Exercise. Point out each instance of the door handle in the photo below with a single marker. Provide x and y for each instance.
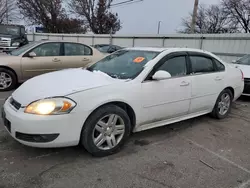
(85, 59)
(184, 83)
(218, 78)
(56, 60)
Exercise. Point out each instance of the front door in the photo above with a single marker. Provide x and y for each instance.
(47, 59)
(170, 98)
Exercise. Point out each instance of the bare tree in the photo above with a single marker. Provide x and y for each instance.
(70, 25)
(210, 20)
(239, 12)
(8, 11)
(97, 15)
(50, 14)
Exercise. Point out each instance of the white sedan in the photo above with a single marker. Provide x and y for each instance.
(244, 64)
(131, 90)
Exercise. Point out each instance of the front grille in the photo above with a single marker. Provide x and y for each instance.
(7, 124)
(15, 104)
(5, 43)
(39, 138)
(246, 86)
(247, 80)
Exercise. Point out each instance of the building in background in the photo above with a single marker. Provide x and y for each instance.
(35, 29)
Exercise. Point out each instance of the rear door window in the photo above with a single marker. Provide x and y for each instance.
(201, 64)
(74, 49)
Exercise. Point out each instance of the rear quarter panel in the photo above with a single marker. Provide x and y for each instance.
(234, 80)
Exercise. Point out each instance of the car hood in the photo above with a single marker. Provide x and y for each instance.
(245, 69)
(60, 83)
(8, 36)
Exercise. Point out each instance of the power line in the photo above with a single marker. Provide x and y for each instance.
(125, 3)
(121, 3)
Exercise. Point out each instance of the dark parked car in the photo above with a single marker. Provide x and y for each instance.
(12, 37)
(107, 48)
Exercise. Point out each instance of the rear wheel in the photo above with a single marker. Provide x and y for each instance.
(106, 131)
(223, 104)
(8, 80)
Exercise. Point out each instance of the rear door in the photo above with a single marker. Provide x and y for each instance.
(208, 77)
(76, 55)
(48, 59)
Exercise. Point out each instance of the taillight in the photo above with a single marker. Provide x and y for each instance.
(242, 75)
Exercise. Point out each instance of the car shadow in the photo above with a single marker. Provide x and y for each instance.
(136, 140)
(244, 98)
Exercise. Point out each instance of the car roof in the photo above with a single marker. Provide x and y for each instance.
(105, 45)
(158, 49)
(59, 41)
(46, 40)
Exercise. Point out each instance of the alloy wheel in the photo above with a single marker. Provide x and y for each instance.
(108, 132)
(5, 80)
(224, 104)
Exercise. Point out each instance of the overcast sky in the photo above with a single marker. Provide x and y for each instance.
(143, 17)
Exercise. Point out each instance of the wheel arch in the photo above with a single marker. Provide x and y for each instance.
(10, 69)
(231, 89)
(125, 106)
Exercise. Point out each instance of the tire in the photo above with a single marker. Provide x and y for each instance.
(6, 74)
(102, 117)
(216, 113)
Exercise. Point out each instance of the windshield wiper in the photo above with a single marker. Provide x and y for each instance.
(89, 69)
(114, 76)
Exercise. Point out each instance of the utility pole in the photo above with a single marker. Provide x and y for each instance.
(194, 17)
(7, 12)
(159, 27)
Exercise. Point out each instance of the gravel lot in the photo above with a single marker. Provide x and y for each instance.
(197, 153)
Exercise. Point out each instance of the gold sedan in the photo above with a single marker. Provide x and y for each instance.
(42, 57)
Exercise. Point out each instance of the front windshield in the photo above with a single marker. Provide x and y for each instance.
(23, 49)
(124, 64)
(245, 60)
(9, 30)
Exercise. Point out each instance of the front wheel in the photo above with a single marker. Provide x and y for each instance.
(223, 105)
(106, 130)
(8, 80)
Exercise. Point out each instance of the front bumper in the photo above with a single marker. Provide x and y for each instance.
(42, 131)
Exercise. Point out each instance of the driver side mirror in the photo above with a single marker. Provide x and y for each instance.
(32, 54)
(161, 75)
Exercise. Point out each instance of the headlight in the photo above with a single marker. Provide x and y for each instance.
(50, 106)
(16, 44)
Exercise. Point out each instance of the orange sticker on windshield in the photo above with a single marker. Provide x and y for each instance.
(138, 59)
